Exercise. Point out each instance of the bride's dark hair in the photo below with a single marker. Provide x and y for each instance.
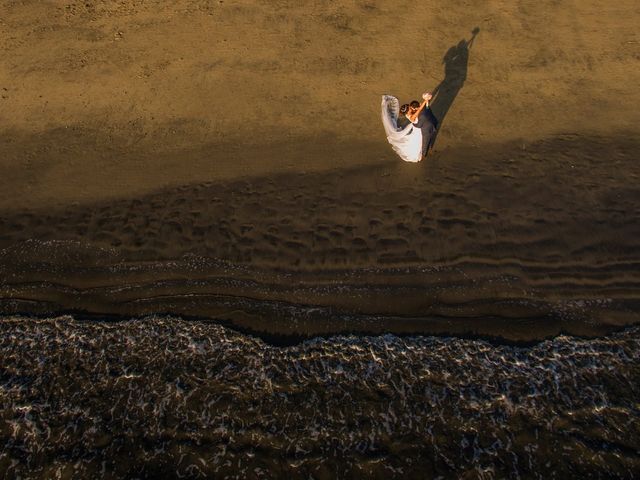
(404, 108)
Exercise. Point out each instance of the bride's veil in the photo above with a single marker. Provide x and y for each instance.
(407, 141)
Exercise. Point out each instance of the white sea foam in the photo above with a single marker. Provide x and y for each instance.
(165, 396)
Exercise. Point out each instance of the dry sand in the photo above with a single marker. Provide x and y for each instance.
(226, 159)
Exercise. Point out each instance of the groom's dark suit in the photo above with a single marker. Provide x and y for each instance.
(428, 124)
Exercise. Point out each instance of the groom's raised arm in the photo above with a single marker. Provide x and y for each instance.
(427, 97)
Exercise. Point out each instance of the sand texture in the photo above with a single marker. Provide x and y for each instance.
(227, 160)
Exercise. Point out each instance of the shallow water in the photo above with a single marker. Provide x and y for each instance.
(164, 397)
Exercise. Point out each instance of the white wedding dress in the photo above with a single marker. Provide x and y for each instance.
(407, 141)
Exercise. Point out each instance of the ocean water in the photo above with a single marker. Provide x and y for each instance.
(163, 397)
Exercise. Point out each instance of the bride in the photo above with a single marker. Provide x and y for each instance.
(406, 141)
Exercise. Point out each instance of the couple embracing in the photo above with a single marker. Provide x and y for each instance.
(413, 141)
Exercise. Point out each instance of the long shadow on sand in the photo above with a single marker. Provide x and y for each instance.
(532, 242)
(456, 62)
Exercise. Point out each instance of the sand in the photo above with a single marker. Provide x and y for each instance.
(226, 160)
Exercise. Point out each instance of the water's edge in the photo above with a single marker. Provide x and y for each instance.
(162, 397)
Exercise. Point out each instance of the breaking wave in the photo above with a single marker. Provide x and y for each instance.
(163, 397)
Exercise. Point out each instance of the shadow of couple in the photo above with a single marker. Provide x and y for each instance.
(456, 62)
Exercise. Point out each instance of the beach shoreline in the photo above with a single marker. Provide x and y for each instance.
(165, 398)
(523, 246)
(213, 264)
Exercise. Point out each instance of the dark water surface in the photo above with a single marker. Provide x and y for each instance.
(165, 397)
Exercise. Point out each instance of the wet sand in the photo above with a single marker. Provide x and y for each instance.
(227, 161)
(539, 249)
